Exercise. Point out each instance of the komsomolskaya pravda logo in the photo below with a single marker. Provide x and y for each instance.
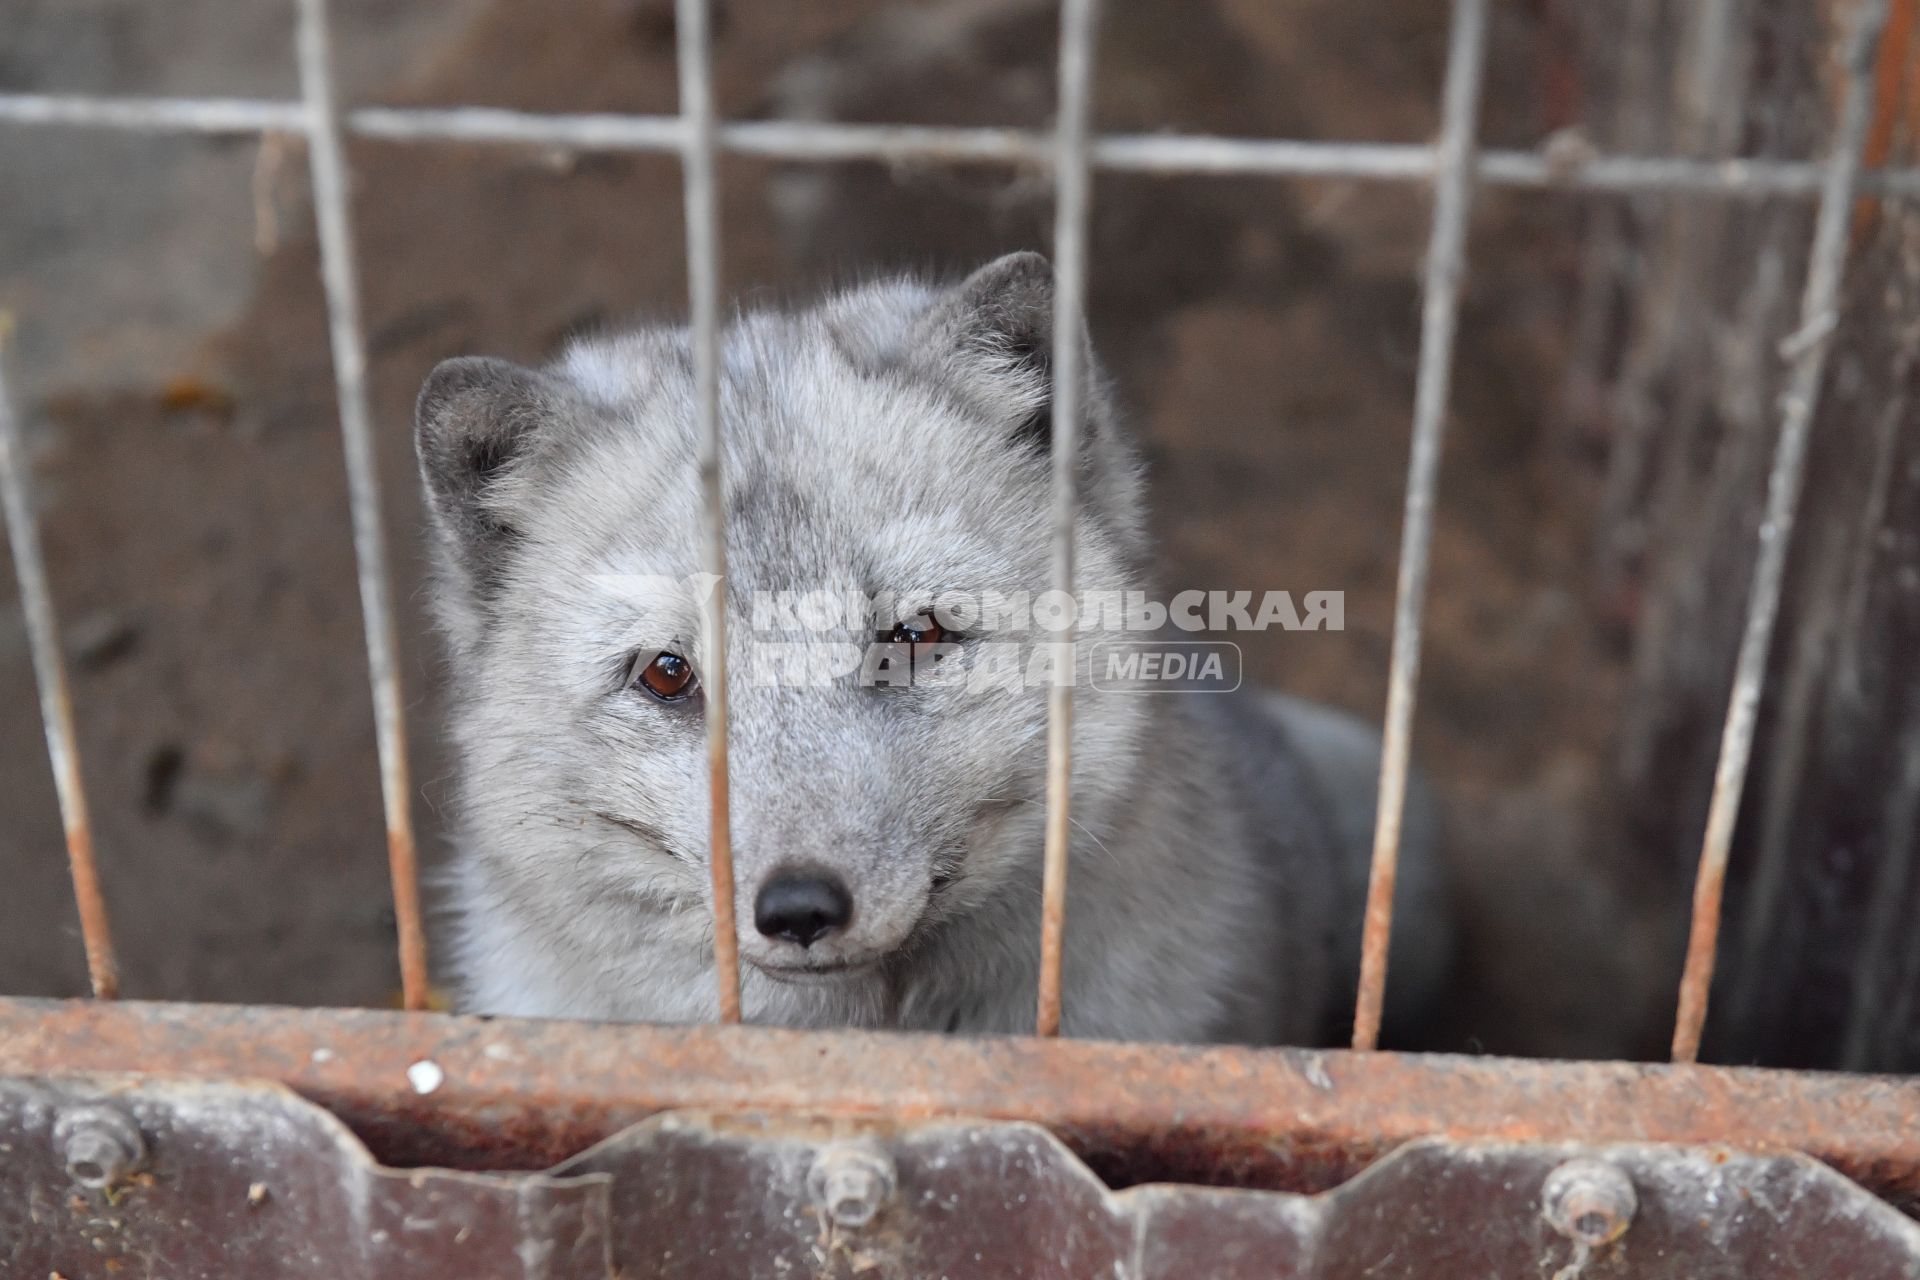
(990, 640)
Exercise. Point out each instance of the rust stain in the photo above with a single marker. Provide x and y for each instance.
(1055, 859)
(527, 1094)
(403, 868)
(1696, 979)
(188, 393)
(1375, 937)
(103, 969)
(1890, 88)
(726, 939)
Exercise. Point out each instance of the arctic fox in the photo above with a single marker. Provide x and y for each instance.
(891, 441)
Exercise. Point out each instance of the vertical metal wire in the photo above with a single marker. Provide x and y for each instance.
(1807, 349)
(56, 706)
(332, 216)
(703, 289)
(1073, 190)
(1446, 264)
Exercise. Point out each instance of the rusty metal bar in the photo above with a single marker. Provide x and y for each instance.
(56, 704)
(698, 155)
(1807, 350)
(332, 212)
(515, 1093)
(1072, 196)
(1446, 264)
(1164, 154)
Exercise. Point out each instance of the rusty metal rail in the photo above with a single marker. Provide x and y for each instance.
(504, 1093)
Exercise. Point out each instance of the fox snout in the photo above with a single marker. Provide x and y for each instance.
(802, 905)
(810, 916)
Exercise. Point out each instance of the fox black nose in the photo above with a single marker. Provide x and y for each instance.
(802, 906)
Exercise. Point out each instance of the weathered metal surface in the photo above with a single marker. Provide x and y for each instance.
(248, 1180)
(705, 1196)
(235, 1179)
(525, 1094)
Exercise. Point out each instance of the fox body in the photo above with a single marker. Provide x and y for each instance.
(892, 440)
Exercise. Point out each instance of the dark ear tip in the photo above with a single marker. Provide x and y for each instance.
(1009, 303)
(452, 379)
(1023, 269)
(469, 388)
(1024, 262)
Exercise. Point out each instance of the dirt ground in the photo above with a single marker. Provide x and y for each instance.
(172, 353)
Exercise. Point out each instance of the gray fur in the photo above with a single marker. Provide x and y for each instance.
(887, 439)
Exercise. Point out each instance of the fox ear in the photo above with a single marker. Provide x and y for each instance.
(994, 331)
(476, 424)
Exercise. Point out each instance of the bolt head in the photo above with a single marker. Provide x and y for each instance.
(1590, 1202)
(850, 1183)
(100, 1145)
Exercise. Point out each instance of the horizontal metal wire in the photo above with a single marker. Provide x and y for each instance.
(1566, 167)
(155, 115)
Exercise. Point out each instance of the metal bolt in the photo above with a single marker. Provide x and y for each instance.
(850, 1182)
(101, 1145)
(1589, 1202)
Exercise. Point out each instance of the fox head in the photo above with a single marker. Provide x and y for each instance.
(886, 452)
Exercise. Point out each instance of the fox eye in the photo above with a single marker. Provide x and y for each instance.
(921, 632)
(668, 678)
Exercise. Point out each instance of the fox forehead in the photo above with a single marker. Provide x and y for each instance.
(834, 476)
(892, 438)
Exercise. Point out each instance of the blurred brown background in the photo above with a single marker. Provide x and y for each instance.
(1612, 420)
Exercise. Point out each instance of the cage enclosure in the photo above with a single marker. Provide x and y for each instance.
(1571, 342)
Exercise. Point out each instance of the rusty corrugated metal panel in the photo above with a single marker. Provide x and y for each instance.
(735, 1198)
(195, 1180)
(188, 1179)
(526, 1094)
